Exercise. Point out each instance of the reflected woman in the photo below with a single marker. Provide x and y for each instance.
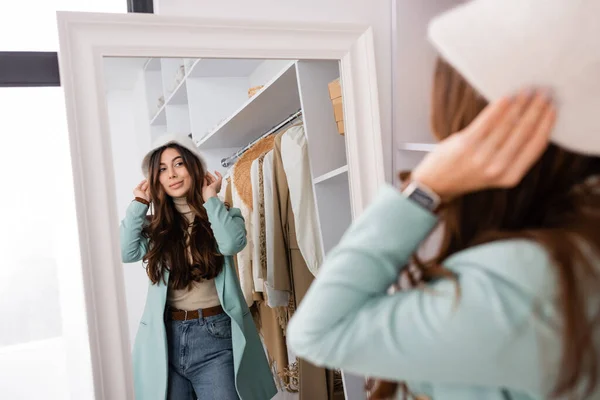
(196, 338)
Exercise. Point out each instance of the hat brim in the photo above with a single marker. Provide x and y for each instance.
(168, 140)
(502, 46)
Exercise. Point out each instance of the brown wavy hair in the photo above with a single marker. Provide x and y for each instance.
(557, 204)
(167, 230)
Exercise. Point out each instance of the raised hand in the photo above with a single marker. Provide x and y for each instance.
(142, 190)
(211, 185)
(495, 151)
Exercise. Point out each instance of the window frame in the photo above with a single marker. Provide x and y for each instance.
(40, 68)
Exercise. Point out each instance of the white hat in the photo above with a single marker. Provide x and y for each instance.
(184, 141)
(501, 46)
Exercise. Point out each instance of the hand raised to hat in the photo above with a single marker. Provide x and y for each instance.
(495, 151)
(211, 185)
(142, 190)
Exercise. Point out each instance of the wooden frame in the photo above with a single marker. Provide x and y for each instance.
(87, 37)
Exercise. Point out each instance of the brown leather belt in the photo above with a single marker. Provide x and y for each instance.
(182, 315)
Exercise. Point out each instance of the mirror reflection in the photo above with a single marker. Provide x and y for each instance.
(231, 184)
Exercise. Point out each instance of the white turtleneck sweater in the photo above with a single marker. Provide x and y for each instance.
(202, 294)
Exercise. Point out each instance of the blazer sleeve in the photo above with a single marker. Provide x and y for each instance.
(133, 245)
(228, 226)
(348, 320)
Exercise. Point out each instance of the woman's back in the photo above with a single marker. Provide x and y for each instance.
(441, 344)
(508, 306)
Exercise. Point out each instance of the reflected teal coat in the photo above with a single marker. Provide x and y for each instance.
(253, 378)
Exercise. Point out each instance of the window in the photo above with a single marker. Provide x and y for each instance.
(43, 337)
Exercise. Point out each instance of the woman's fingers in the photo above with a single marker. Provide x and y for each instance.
(488, 118)
(532, 150)
(142, 189)
(210, 177)
(219, 178)
(504, 126)
(495, 150)
(527, 140)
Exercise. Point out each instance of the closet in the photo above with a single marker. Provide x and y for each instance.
(209, 99)
(226, 104)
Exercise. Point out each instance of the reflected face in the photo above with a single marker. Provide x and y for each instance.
(173, 174)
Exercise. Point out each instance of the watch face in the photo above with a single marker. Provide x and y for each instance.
(422, 198)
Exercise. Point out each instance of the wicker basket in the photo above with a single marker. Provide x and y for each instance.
(252, 91)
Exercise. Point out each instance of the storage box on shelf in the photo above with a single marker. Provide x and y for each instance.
(335, 93)
(255, 89)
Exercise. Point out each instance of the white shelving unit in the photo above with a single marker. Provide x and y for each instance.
(276, 100)
(208, 98)
(335, 174)
(425, 147)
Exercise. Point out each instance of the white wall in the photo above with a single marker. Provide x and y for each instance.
(44, 358)
(129, 140)
(373, 12)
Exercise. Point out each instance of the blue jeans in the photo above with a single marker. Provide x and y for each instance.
(201, 359)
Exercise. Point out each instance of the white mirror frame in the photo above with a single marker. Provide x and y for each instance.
(85, 38)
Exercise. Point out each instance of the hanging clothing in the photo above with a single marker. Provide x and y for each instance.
(271, 321)
(248, 191)
(296, 163)
(242, 197)
(275, 343)
(275, 298)
(243, 166)
(258, 250)
(244, 256)
(292, 274)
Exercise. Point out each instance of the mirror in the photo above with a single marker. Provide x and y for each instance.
(274, 131)
(284, 117)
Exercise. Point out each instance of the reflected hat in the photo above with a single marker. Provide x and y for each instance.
(169, 138)
(501, 46)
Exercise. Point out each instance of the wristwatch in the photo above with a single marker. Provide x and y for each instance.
(422, 195)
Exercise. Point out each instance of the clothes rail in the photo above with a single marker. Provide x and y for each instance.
(228, 161)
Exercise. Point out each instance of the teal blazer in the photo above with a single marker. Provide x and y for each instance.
(499, 338)
(253, 378)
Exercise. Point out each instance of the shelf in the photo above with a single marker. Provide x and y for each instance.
(426, 147)
(272, 104)
(179, 95)
(153, 64)
(223, 68)
(336, 173)
(160, 118)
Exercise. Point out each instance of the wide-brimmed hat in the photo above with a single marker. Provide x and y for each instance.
(501, 46)
(161, 141)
